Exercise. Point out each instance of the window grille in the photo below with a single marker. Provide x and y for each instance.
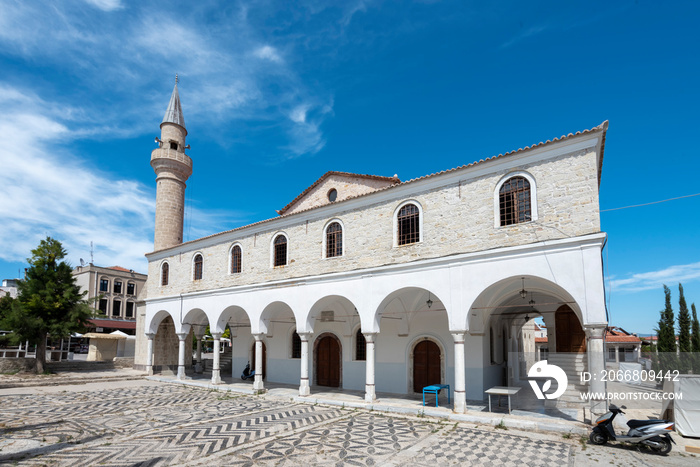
(514, 201)
(296, 345)
(334, 240)
(408, 221)
(198, 267)
(360, 346)
(236, 260)
(280, 250)
(165, 270)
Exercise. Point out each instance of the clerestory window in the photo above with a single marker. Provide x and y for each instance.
(280, 250)
(408, 225)
(198, 264)
(164, 274)
(334, 240)
(236, 259)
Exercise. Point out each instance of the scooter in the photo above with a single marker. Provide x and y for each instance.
(652, 433)
(247, 374)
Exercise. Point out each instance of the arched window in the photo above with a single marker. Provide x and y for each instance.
(280, 253)
(198, 260)
(360, 346)
(236, 259)
(334, 240)
(408, 225)
(164, 273)
(104, 285)
(514, 201)
(296, 345)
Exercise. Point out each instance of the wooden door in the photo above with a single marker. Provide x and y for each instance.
(328, 362)
(426, 365)
(264, 358)
(570, 335)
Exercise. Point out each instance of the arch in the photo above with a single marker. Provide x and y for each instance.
(503, 296)
(411, 359)
(532, 197)
(164, 274)
(279, 250)
(339, 306)
(333, 239)
(235, 263)
(234, 316)
(197, 266)
(152, 326)
(404, 303)
(275, 311)
(408, 224)
(328, 360)
(195, 317)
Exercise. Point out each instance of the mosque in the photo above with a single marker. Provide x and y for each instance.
(370, 283)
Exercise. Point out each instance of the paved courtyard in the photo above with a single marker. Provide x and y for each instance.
(150, 423)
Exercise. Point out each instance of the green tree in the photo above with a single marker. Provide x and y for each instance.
(695, 341)
(683, 332)
(48, 302)
(666, 343)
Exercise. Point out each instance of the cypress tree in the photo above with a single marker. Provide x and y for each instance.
(666, 343)
(683, 332)
(695, 340)
(48, 301)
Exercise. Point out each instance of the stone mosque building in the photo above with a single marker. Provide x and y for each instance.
(375, 284)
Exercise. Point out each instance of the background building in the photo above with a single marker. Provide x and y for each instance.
(113, 291)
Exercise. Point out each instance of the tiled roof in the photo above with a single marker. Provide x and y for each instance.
(541, 340)
(616, 335)
(345, 174)
(602, 127)
(119, 268)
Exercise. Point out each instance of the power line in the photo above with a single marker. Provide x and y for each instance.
(647, 204)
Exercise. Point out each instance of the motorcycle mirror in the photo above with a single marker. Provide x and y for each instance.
(623, 407)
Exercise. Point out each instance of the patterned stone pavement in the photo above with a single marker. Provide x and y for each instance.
(178, 425)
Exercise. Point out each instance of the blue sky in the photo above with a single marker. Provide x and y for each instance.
(277, 93)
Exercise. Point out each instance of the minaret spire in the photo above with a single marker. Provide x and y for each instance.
(174, 112)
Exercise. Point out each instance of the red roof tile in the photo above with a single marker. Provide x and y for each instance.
(541, 340)
(119, 268)
(616, 335)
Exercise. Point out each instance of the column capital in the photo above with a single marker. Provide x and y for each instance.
(150, 335)
(258, 336)
(305, 336)
(182, 335)
(370, 336)
(595, 331)
(458, 336)
(216, 335)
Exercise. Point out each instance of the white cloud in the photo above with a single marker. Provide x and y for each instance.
(683, 273)
(106, 5)
(268, 53)
(298, 114)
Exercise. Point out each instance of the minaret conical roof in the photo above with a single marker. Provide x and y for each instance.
(174, 112)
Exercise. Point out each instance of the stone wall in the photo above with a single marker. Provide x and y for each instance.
(11, 365)
(457, 218)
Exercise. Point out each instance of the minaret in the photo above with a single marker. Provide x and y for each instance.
(173, 167)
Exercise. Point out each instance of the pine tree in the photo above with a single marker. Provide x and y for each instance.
(695, 341)
(48, 302)
(666, 343)
(683, 332)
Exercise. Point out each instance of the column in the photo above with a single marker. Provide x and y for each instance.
(149, 354)
(596, 366)
(304, 387)
(181, 355)
(216, 370)
(460, 394)
(617, 354)
(370, 391)
(258, 383)
(198, 368)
